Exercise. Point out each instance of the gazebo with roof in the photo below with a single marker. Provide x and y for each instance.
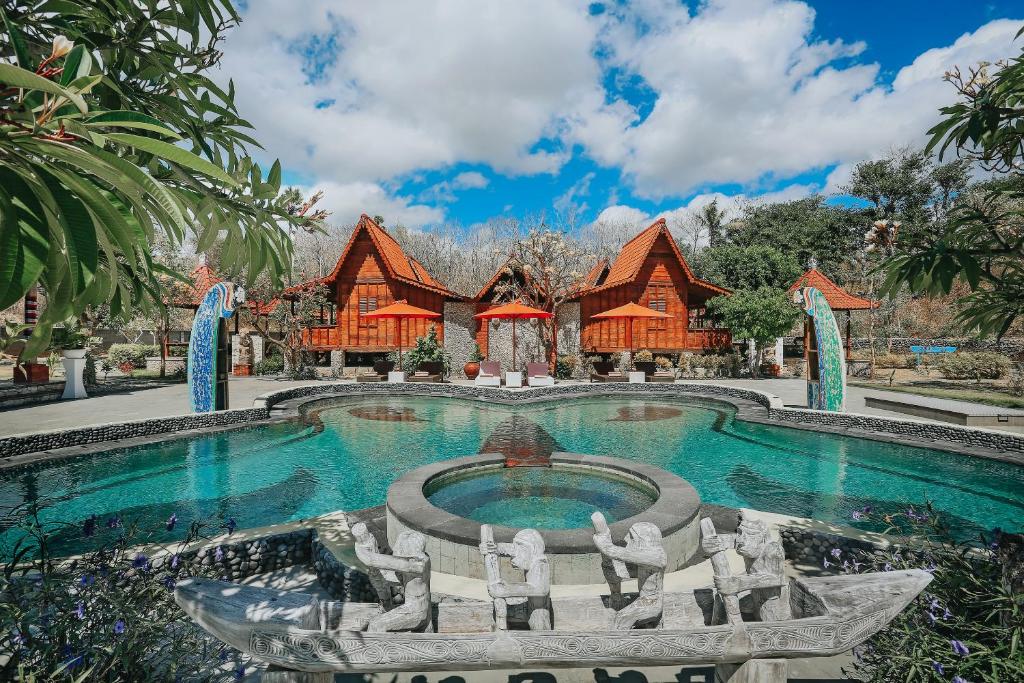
(837, 297)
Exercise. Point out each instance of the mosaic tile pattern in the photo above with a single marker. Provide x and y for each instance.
(829, 392)
(218, 303)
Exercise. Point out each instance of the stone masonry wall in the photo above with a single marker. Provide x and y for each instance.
(459, 338)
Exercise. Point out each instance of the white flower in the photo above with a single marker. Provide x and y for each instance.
(61, 46)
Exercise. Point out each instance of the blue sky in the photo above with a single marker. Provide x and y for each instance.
(456, 112)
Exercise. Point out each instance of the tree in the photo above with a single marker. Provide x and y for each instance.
(805, 228)
(553, 265)
(111, 133)
(761, 315)
(982, 242)
(280, 320)
(711, 220)
(748, 267)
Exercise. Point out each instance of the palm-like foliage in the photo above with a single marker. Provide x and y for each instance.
(983, 241)
(110, 132)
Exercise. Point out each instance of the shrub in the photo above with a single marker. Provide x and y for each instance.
(107, 615)
(89, 371)
(129, 356)
(566, 365)
(896, 360)
(663, 363)
(68, 338)
(977, 366)
(644, 356)
(967, 625)
(427, 350)
(271, 365)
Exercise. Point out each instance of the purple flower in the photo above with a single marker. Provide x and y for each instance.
(140, 562)
(856, 516)
(230, 525)
(866, 510)
(86, 580)
(938, 668)
(959, 648)
(222, 654)
(931, 618)
(171, 521)
(946, 614)
(169, 582)
(119, 626)
(72, 660)
(174, 561)
(219, 554)
(240, 673)
(836, 552)
(89, 526)
(80, 610)
(825, 563)
(957, 679)
(934, 604)
(887, 567)
(114, 522)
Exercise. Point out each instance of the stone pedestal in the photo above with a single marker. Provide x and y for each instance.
(337, 363)
(74, 365)
(637, 377)
(396, 376)
(513, 380)
(752, 671)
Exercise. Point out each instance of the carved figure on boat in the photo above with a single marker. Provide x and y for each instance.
(643, 549)
(408, 568)
(532, 595)
(765, 569)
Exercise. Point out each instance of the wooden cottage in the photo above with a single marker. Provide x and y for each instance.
(374, 272)
(501, 289)
(651, 271)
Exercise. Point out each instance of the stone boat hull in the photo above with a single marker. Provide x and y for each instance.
(284, 629)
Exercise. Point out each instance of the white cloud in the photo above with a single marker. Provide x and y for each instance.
(470, 180)
(346, 201)
(405, 85)
(572, 199)
(745, 92)
(622, 215)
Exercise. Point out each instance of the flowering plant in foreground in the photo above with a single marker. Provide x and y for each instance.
(107, 615)
(967, 626)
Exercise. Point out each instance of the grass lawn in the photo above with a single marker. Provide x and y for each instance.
(981, 394)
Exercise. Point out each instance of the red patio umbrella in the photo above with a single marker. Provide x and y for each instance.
(628, 312)
(513, 311)
(397, 312)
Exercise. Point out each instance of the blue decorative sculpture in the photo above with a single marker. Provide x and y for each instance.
(204, 361)
(826, 360)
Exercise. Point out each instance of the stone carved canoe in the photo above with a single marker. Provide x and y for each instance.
(294, 631)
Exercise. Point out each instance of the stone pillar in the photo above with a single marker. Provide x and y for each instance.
(337, 362)
(778, 350)
(459, 334)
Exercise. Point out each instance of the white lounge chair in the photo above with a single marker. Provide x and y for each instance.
(490, 374)
(537, 375)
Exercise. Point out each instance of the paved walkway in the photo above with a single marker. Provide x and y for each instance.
(173, 400)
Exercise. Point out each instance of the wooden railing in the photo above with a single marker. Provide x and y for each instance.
(321, 337)
(708, 338)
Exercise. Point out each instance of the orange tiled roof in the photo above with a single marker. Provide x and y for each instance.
(399, 264)
(633, 254)
(837, 297)
(593, 278)
(191, 295)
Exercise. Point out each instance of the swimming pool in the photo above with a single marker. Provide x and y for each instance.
(356, 447)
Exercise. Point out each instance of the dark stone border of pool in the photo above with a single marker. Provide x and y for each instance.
(752, 406)
(453, 540)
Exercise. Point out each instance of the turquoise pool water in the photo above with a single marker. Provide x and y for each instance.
(294, 470)
(540, 497)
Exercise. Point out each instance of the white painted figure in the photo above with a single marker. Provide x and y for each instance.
(643, 549)
(765, 568)
(409, 568)
(533, 594)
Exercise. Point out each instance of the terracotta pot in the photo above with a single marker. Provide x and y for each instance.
(31, 372)
(472, 369)
(243, 370)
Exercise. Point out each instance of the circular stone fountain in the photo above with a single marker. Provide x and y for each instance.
(448, 501)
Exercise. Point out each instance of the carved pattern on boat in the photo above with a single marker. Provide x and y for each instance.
(628, 644)
(320, 649)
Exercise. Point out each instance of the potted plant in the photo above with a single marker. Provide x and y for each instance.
(73, 345)
(643, 361)
(472, 368)
(383, 367)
